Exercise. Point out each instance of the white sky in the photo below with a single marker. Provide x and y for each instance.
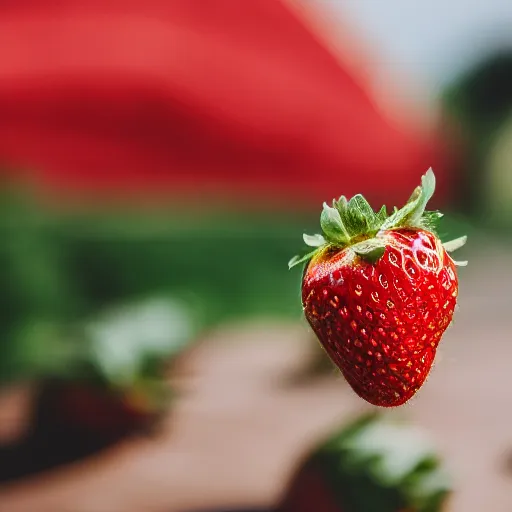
(428, 40)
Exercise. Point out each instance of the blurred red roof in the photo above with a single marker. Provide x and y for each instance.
(194, 98)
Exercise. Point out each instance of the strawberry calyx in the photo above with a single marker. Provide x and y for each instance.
(353, 223)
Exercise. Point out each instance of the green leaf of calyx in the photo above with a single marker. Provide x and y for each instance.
(412, 212)
(359, 217)
(297, 260)
(332, 226)
(430, 221)
(382, 215)
(314, 240)
(453, 245)
(341, 205)
(370, 250)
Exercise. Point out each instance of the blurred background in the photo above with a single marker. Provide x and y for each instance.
(159, 162)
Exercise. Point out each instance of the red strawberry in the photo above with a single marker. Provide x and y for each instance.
(379, 291)
(371, 464)
(97, 411)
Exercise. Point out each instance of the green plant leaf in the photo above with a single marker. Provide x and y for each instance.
(122, 339)
(313, 240)
(453, 245)
(332, 225)
(382, 215)
(360, 217)
(380, 464)
(430, 221)
(427, 189)
(341, 205)
(297, 260)
(414, 209)
(370, 250)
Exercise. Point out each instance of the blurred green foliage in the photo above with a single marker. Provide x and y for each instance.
(479, 104)
(62, 270)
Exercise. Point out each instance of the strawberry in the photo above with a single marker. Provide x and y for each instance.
(371, 464)
(379, 291)
(88, 409)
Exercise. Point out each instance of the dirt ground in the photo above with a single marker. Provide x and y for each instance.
(240, 426)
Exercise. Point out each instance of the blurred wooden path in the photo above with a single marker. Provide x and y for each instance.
(240, 427)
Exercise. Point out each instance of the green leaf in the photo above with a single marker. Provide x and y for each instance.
(121, 340)
(453, 245)
(427, 189)
(413, 211)
(383, 465)
(374, 255)
(341, 205)
(313, 240)
(382, 215)
(430, 221)
(297, 260)
(360, 217)
(332, 225)
(370, 250)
